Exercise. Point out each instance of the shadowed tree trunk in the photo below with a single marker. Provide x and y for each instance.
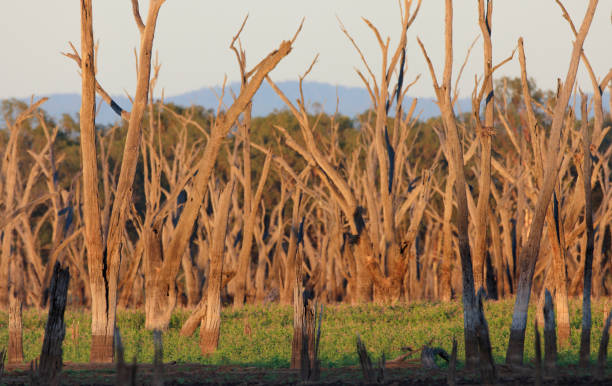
(55, 330)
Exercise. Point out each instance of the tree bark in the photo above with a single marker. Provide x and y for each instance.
(15, 327)
(448, 253)
(211, 322)
(55, 330)
(104, 256)
(244, 259)
(221, 127)
(484, 135)
(102, 342)
(470, 308)
(530, 250)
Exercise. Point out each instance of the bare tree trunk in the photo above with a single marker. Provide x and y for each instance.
(486, 131)
(286, 293)
(104, 257)
(470, 308)
(192, 284)
(210, 325)
(244, 259)
(102, 344)
(160, 298)
(559, 274)
(55, 330)
(16, 297)
(166, 274)
(448, 254)
(530, 250)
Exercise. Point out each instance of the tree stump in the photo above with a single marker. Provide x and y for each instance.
(15, 341)
(16, 293)
(51, 354)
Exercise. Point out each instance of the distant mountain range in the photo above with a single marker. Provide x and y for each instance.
(352, 101)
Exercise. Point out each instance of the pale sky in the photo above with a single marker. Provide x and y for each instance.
(193, 36)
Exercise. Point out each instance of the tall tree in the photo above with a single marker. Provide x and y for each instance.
(529, 252)
(103, 248)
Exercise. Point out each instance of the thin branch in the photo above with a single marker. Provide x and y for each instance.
(137, 18)
(124, 114)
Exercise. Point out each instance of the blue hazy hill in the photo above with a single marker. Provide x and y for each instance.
(352, 101)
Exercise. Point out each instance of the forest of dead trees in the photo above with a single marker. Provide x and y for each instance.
(191, 207)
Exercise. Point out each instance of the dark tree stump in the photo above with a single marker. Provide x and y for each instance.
(15, 341)
(306, 335)
(365, 362)
(51, 353)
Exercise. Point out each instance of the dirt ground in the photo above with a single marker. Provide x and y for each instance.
(197, 374)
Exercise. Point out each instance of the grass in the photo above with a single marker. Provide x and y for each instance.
(383, 329)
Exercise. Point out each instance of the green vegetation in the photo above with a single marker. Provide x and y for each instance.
(386, 329)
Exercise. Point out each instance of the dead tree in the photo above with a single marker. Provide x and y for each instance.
(370, 373)
(18, 204)
(301, 299)
(379, 251)
(530, 250)
(587, 175)
(103, 250)
(16, 300)
(170, 256)
(485, 132)
(211, 322)
(306, 335)
(251, 203)
(585, 333)
(443, 93)
(55, 330)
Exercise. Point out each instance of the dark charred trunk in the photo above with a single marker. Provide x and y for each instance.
(51, 354)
